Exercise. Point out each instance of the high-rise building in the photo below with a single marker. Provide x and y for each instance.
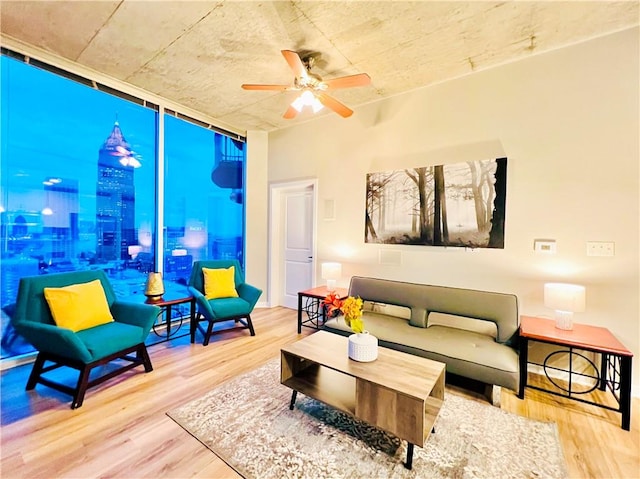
(115, 198)
(60, 219)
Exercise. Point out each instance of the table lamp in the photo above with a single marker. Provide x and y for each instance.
(154, 289)
(331, 272)
(565, 299)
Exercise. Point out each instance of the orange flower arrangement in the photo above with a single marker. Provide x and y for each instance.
(351, 307)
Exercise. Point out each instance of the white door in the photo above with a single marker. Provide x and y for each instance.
(298, 235)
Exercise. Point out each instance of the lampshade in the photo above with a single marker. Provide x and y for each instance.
(331, 272)
(154, 289)
(565, 299)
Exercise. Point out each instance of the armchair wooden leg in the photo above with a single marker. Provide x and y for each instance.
(207, 335)
(81, 388)
(143, 354)
(35, 372)
(250, 324)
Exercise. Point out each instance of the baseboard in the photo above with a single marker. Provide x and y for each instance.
(15, 361)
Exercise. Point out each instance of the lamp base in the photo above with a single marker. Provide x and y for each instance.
(564, 320)
(331, 285)
(153, 298)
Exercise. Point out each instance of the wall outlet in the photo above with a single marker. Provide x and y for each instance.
(547, 246)
(600, 248)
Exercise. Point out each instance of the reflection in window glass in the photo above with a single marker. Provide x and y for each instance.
(203, 210)
(77, 185)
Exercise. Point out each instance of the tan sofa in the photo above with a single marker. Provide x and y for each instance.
(473, 332)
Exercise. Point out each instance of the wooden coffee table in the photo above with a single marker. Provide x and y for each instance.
(397, 392)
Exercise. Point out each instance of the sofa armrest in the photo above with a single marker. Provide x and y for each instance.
(141, 315)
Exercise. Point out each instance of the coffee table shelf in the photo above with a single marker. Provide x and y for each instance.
(326, 385)
(398, 392)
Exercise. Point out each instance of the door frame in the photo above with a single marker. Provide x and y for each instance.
(275, 262)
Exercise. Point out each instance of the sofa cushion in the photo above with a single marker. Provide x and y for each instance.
(79, 306)
(466, 346)
(382, 324)
(500, 308)
(465, 353)
(487, 328)
(389, 309)
(109, 338)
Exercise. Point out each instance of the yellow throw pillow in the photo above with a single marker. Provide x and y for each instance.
(219, 283)
(79, 306)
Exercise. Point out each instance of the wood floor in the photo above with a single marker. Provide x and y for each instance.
(122, 429)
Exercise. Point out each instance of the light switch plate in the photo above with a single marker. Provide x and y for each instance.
(600, 248)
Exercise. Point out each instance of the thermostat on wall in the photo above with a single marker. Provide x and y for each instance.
(544, 246)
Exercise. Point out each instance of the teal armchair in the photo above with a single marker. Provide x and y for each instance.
(222, 309)
(86, 349)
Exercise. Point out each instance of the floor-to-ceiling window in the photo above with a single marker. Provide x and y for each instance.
(204, 207)
(78, 178)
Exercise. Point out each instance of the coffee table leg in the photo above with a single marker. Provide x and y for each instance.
(409, 463)
(293, 399)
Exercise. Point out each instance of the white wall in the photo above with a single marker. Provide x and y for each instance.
(256, 208)
(568, 122)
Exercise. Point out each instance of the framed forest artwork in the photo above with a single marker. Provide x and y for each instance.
(461, 204)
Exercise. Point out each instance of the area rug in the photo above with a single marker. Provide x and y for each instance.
(247, 423)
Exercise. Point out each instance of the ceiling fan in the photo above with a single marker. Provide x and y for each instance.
(312, 87)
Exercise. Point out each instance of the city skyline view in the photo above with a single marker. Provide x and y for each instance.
(78, 186)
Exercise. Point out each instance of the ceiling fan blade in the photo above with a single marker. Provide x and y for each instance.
(290, 113)
(334, 104)
(361, 79)
(249, 86)
(295, 63)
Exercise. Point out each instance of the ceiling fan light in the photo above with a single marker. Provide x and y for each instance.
(298, 104)
(307, 98)
(316, 105)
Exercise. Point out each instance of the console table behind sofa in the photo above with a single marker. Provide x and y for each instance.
(473, 332)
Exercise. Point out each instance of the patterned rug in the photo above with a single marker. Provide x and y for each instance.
(247, 423)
